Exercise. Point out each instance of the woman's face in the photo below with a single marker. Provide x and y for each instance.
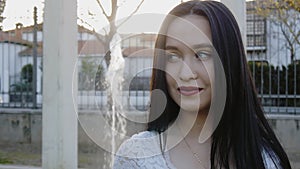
(189, 65)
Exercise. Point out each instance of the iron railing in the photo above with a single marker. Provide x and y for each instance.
(276, 76)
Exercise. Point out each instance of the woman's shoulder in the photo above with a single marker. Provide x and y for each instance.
(140, 151)
(140, 145)
(144, 134)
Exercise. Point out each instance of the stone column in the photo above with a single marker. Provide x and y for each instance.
(59, 116)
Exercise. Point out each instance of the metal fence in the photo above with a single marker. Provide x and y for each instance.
(273, 57)
(135, 95)
(21, 68)
(275, 73)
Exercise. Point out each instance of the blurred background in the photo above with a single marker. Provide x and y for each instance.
(272, 44)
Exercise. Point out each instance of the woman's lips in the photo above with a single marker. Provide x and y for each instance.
(189, 91)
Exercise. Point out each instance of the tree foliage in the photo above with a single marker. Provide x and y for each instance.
(26, 80)
(270, 80)
(27, 73)
(91, 75)
(275, 80)
(286, 15)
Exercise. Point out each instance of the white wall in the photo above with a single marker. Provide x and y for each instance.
(29, 36)
(277, 50)
(10, 65)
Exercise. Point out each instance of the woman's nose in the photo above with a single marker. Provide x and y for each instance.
(186, 72)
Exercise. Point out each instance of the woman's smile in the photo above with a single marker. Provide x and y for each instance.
(189, 90)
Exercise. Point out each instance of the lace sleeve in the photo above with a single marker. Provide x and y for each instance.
(140, 151)
(121, 161)
(124, 163)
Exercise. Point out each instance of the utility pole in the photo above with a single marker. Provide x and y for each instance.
(34, 68)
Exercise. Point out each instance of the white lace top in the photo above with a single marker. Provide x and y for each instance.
(142, 151)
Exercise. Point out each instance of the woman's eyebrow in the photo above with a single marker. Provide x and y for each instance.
(196, 46)
(204, 45)
(171, 48)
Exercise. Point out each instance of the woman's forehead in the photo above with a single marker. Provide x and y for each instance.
(189, 30)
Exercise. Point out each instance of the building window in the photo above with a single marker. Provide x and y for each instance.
(256, 27)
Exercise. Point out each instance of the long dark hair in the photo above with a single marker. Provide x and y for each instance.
(243, 134)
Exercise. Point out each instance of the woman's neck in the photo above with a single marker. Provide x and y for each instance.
(191, 123)
(198, 125)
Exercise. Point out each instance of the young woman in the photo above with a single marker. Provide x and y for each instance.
(212, 117)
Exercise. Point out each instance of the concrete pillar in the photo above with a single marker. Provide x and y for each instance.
(59, 116)
(238, 8)
(4, 71)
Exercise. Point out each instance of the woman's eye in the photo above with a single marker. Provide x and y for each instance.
(173, 57)
(202, 55)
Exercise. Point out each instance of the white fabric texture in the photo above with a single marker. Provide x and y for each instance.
(142, 151)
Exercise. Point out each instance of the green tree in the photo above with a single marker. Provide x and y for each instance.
(282, 80)
(294, 78)
(100, 83)
(263, 75)
(27, 73)
(25, 83)
(87, 74)
(91, 75)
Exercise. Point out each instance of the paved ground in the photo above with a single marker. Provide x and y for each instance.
(28, 156)
(17, 167)
(295, 160)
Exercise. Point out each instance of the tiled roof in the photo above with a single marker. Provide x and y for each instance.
(94, 47)
(142, 36)
(30, 28)
(7, 38)
(90, 47)
(29, 51)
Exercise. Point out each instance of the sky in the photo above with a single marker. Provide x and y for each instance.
(21, 11)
